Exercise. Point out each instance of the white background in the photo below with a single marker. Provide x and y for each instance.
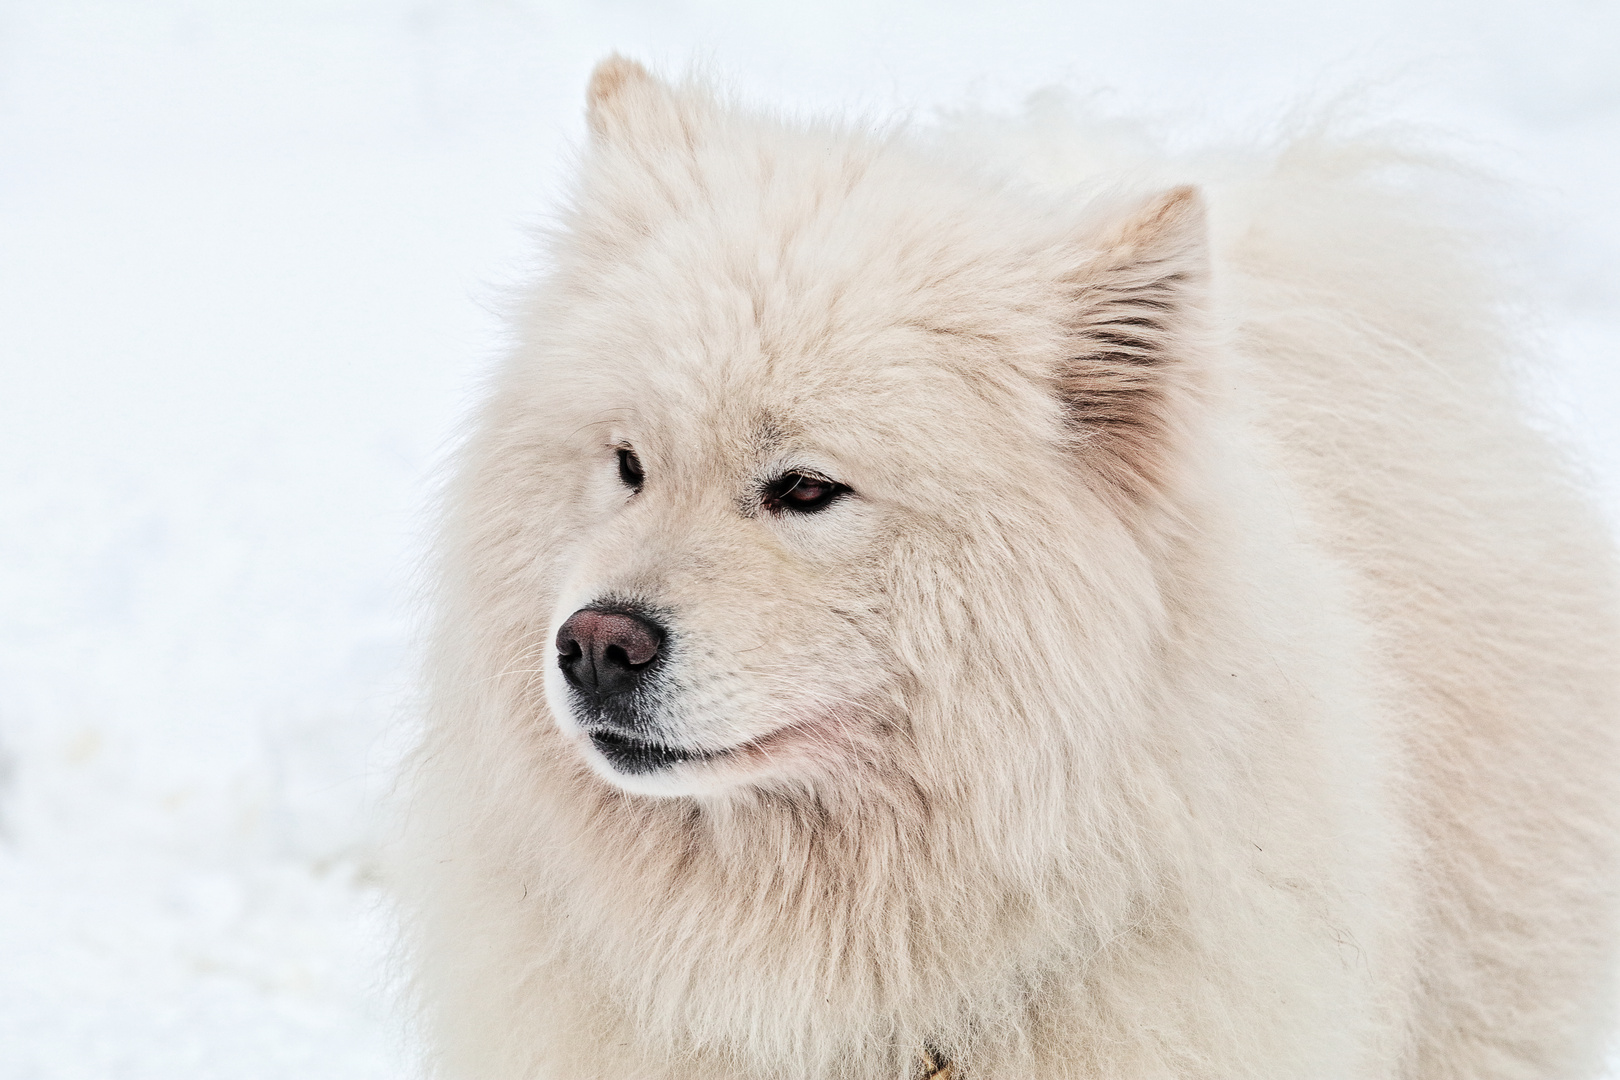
(251, 262)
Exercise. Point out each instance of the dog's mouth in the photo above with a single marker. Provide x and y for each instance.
(640, 756)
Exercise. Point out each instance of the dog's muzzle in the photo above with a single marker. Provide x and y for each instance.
(608, 656)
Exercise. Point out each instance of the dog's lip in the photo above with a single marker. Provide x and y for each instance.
(631, 754)
(635, 755)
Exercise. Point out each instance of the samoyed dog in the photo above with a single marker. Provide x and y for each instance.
(987, 605)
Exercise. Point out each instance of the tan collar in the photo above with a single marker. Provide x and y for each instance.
(935, 1065)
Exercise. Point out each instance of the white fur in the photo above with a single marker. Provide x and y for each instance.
(1225, 692)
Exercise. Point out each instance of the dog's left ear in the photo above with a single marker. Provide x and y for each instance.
(1135, 318)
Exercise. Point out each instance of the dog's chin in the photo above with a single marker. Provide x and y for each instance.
(800, 748)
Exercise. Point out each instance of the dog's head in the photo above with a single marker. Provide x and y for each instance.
(821, 456)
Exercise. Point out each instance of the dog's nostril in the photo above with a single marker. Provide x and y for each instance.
(607, 652)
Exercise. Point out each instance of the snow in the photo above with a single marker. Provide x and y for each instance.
(252, 256)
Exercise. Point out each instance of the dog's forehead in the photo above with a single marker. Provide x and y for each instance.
(816, 296)
(761, 394)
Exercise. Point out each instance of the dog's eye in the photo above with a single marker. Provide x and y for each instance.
(801, 493)
(630, 469)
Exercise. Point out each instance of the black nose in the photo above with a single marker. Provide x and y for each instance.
(607, 652)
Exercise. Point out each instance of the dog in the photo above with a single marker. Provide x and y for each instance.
(969, 605)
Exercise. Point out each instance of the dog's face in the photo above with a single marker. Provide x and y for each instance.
(720, 612)
(730, 583)
(805, 432)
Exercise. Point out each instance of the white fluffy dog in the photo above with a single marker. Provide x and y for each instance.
(901, 622)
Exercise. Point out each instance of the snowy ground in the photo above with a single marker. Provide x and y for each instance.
(249, 256)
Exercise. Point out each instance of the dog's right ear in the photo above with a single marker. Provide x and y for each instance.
(642, 129)
(628, 107)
